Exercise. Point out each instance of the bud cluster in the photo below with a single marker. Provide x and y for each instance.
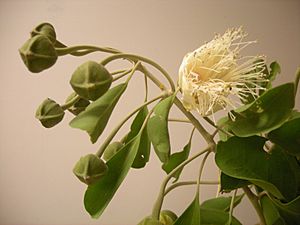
(38, 53)
(89, 81)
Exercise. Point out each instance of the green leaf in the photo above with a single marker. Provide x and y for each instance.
(270, 76)
(274, 70)
(98, 196)
(270, 212)
(229, 183)
(176, 159)
(288, 136)
(221, 203)
(96, 116)
(290, 210)
(191, 216)
(291, 207)
(294, 166)
(222, 123)
(266, 113)
(158, 128)
(143, 153)
(244, 158)
(194, 213)
(216, 217)
(294, 115)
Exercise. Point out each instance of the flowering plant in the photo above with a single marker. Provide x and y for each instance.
(257, 147)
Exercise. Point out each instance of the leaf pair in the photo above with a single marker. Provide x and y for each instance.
(159, 136)
(158, 128)
(135, 153)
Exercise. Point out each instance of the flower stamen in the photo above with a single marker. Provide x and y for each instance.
(213, 74)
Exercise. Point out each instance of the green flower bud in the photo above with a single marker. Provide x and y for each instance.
(149, 221)
(45, 29)
(79, 106)
(38, 53)
(89, 169)
(91, 80)
(112, 149)
(49, 113)
(166, 217)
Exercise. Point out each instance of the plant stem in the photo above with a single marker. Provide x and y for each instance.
(70, 103)
(201, 170)
(120, 71)
(261, 194)
(143, 59)
(254, 200)
(185, 183)
(160, 85)
(117, 128)
(219, 128)
(179, 120)
(208, 138)
(210, 121)
(146, 87)
(132, 71)
(200, 174)
(86, 48)
(158, 204)
(231, 207)
(297, 79)
(119, 76)
(219, 185)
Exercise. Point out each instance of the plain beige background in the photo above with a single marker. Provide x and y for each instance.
(37, 186)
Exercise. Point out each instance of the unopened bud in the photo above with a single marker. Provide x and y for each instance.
(89, 169)
(49, 113)
(78, 106)
(166, 217)
(91, 80)
(45, 29)
(112, 149)
(38, 53)
(149, 221)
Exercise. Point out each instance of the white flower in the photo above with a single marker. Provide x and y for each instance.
(215, 76)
